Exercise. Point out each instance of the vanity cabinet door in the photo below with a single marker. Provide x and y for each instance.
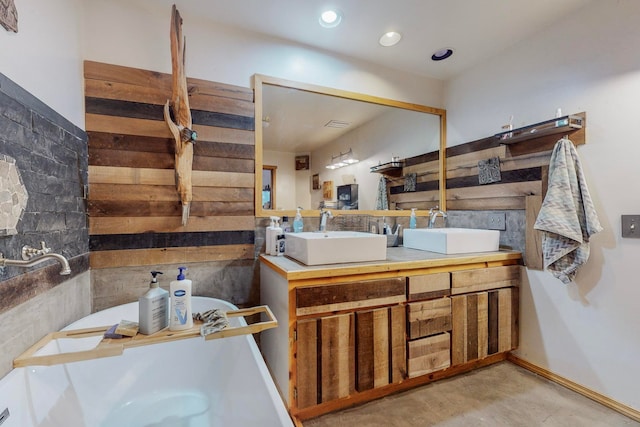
(338, 355)
(380, 347)
(325, 359)
(483, 323)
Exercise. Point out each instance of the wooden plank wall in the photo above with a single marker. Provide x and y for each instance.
(134, 208)
(426, 167)
(523, 166)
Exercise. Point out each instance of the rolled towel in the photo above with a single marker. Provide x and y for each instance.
(214, 320)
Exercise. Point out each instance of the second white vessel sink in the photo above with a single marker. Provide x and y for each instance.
(335, 247)
(452, 240)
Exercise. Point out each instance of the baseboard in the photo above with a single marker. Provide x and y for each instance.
(602, 399)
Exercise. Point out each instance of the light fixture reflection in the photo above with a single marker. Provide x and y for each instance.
(342, 160)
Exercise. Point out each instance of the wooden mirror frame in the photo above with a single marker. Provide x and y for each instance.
(259, 80)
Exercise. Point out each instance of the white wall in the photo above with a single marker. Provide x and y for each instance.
(135, 33)
(44, 56)
(397, 132)
(587, 331)
(286, 178)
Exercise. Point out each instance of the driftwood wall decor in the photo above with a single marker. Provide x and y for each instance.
(9, 15)
(181, 128)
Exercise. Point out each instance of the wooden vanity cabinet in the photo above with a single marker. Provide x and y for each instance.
(354, 333)
(349, 337)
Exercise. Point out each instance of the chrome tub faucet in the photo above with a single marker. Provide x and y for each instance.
(32, 256)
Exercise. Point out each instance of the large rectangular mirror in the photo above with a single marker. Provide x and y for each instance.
(301, 129)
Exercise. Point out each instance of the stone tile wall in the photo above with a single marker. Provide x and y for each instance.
(51, 155)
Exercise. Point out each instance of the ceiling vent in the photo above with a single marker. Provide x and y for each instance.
(337, 124)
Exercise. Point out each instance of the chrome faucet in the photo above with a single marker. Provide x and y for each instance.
(323, 219)
(433, 215)
(31, 257)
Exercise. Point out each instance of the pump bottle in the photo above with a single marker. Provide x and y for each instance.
(298, 225)
(180, 316)
(278, 239)
(270, 237)
(153, 308)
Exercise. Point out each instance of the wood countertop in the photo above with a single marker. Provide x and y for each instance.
(399, 259)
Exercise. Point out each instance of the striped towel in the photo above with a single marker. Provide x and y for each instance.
(567, 217)
(382, 201)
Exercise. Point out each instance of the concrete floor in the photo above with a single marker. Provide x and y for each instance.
(499, 395)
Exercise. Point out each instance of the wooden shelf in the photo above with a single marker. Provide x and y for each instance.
(569, 124)
(108, 347)
(391, 168)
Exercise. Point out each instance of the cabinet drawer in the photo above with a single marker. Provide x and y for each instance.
(350, 295)
(483, 279)
(428, 354)
(428, 286)
(429, 317)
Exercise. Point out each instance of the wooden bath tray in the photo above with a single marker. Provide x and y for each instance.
(108, 347)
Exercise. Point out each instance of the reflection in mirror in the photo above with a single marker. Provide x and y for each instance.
(268, 184)
(301, 129)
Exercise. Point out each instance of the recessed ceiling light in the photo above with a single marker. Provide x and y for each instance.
(390, 38)
(441, 54)
(330, 18)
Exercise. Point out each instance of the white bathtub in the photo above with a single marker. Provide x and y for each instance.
(186, 383)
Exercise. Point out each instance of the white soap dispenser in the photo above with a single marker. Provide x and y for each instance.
(153, 308)
(270, 237)
(180, 317)
(412, 218)
(278, 239)
(298, 225)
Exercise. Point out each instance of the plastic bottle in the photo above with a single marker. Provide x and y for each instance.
(278, 239)
(180, 316)
(286, 226)
(153, 308)
(412, 218)
(298, 225)
(562, 122)
(270, 237)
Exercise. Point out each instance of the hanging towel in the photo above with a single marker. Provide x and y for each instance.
(382, 201)
(567, 217)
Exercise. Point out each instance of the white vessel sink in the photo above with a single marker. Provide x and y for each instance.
(335, 247)
(452, 240)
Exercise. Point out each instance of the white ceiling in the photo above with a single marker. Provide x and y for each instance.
(475, 29)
